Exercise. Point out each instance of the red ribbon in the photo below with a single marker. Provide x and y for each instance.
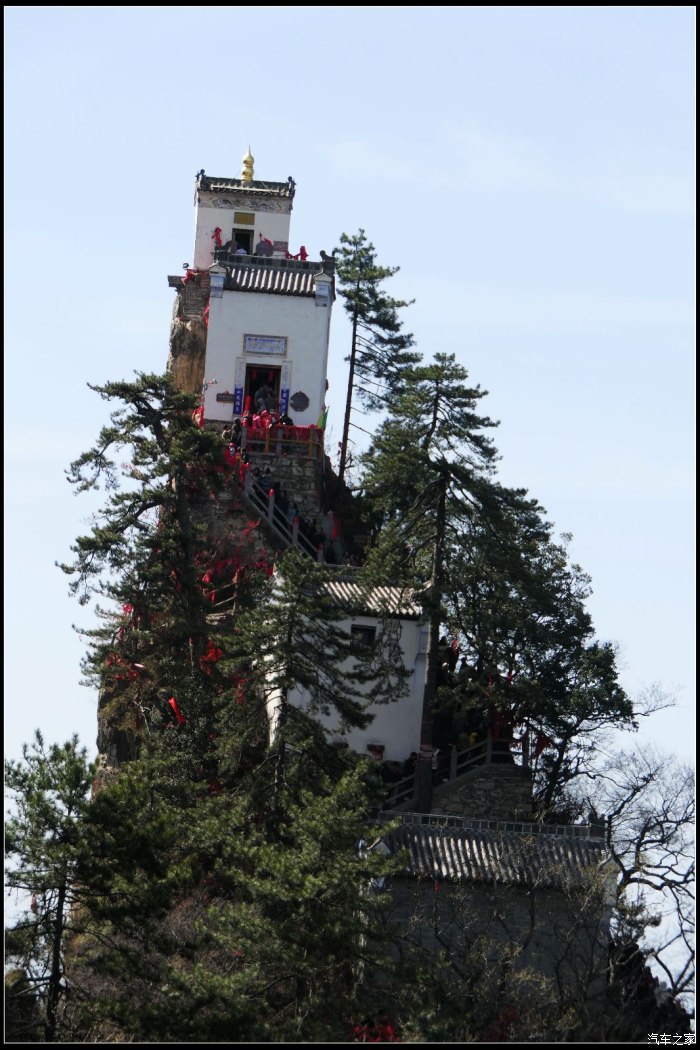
(541, 742)
(178, 713)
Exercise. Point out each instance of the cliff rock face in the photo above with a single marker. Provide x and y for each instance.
(188, 337)
(117, 741)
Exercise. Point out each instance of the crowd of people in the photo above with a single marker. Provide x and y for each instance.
(318, 532)
(287, 512)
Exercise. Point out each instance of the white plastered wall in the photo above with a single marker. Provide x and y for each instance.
(396, 725)
(273, 224)
(306, 327)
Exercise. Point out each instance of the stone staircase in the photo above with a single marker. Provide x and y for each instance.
(453, 781)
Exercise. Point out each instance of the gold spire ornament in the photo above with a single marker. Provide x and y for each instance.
(247, 169)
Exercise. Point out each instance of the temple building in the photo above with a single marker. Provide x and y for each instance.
(250, 331)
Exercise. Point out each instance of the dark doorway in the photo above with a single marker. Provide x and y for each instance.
(243, 239)
(262, 378)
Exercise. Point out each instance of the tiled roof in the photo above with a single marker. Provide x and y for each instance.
(280, 280)
(219, 185)
(468, 854)
(395, 601)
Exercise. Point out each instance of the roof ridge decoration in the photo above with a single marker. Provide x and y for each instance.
(247, 169)
(442, 822)
(253, 187)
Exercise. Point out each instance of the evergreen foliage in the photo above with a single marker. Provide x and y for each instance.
(222, 884)
(232, 830)
(44, 842)
(498, 583)
(379, 350)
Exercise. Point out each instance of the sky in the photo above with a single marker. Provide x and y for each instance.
(530, 170)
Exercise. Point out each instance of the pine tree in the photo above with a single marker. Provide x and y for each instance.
(518, 611)
(44, 841)
(379, 350)
(207, 845)
(428, 475)
(228, 898)
(156, 543)
(497, 582)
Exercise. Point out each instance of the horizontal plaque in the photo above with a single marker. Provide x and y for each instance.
(225, 397)
(265, 344)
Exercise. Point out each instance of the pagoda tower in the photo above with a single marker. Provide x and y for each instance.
(249, 314)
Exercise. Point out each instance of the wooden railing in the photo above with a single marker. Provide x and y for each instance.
(289, 533)
(485, 752)
(302, 442)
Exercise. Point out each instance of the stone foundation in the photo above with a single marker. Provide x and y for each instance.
(497, 793)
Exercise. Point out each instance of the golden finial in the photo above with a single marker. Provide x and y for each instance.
(247, 169)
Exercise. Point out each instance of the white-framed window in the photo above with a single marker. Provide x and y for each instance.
(364, 633)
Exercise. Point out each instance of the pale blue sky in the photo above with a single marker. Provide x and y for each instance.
(530, 169)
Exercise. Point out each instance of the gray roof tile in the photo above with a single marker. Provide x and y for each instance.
(271, 279)
(463, 854)
(394, 601)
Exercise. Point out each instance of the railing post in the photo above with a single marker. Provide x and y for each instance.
(319, 554)
(414, 789)
(271, 506)
(525, 741)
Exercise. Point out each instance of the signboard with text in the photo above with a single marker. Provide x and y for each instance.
(265, 344)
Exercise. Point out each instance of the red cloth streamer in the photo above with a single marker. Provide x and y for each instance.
(216, 236)
(189, 276)
(501, 726)
(178, 713)
(239, 689)
(198, 416)
(368, 1032)
(301, 254)
(212, 656)
(205, 315)
(541, 742)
